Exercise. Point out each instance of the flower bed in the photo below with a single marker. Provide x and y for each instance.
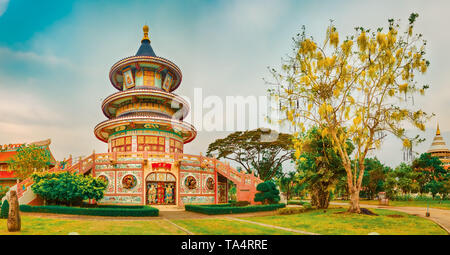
(130, 211)
(228, 209)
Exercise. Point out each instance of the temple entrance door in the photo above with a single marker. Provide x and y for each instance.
(160, 193)
(222, 189)
(161, 189)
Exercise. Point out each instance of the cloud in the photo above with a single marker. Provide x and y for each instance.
(25, 109)
(3, 6)
(29, 56)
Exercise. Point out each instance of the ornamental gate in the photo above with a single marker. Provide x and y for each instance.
(161, 189)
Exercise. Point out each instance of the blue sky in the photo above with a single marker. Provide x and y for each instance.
(55, 57)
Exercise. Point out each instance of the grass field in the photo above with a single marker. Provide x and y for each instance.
(32, 225)
(227, 227)
(433, 204)
(333, 222)
(337, 222)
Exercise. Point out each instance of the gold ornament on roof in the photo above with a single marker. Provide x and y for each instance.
(145, 29)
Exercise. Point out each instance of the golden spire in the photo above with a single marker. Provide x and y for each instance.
(438, 132)
(145, 29)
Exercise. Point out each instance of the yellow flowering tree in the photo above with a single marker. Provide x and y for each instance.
(354, 89)
(29, 159)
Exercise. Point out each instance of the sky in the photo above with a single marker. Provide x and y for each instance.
(55, 58)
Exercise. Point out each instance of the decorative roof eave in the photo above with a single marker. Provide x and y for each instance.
(184, 126)
(439, 150)
(143, 92)
(134, 59)
(6, 156)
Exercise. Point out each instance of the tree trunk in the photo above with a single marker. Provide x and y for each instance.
(354, 201)
(320, 197)
(14, 215)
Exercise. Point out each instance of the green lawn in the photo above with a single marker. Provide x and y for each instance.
(333, 223)
(32, 225)
(318, 221)
(227, 227)
(433, 204)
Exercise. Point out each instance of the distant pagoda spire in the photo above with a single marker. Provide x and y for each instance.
(438, 144)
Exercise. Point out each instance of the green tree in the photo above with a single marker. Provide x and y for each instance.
(445, 189)
(350, 88)
(390, 185)
(406, 178)
(3, 191)
(29, 159)
(374, 177)
(268, 193)
(401, 179)
(264, 150)
(287, 183)
(319, 166)
(67, 188)
(431, 173)
(341, 189)
(5, 210)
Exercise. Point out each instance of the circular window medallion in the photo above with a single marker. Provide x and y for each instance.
(190, 182)
(104, 178)
(210, 183)
(129, 181)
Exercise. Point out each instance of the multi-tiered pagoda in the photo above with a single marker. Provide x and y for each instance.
(145, 132)
(144, 115)
(439, 149)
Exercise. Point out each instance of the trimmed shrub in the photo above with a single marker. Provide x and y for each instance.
(268, 193)
(291, 210)
(240, 203)
(307, 206)
(139, 211)
(5, 210)
(295, 202)
(228, 209)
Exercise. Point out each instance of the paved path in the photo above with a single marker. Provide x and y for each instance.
(272, 226)
(440, 216)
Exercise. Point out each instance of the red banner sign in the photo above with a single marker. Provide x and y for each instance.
(161, 165)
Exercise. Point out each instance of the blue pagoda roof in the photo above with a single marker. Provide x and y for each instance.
(146, 49)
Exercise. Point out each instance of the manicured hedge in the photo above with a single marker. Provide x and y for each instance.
(228, 209)
(296, 202)
(139, 211)
(5, 210)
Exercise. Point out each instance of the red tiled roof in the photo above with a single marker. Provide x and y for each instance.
(6, 174)
(7, 155)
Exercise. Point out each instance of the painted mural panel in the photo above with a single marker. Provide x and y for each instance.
(129, 182)
(197, 199)
(190, 183)
(117, 166)
(208, 184)
(128, 79)
(121, 200)
(167, 82)
(110, 177)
